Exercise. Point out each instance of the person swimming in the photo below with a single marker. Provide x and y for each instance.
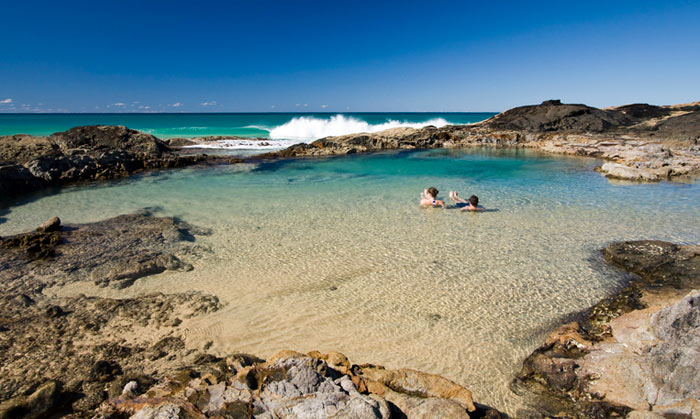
(464, 205)
(428, 198)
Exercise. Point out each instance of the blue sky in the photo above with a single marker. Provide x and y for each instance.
(238, 56)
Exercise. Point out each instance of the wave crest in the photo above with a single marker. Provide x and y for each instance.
(307, 128)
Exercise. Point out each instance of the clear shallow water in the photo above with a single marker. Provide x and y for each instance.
(333, 254)
(297, 126)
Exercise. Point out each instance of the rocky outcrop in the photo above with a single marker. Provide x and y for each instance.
(552, 115)
(633, 353)
(81, 154)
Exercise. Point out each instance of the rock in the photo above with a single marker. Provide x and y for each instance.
(23, 300)
(114, 252)
(108, 138)
(131, 389)
(32, 246)
(552, 115)
(16, 179)
(293, 385)
(36, 405)
(621, 171)
(104, 370)
(80, 154)
(54, 311)
(638, 350)
(675, 360)
(52, 224)
(658, 263)
(417, 383)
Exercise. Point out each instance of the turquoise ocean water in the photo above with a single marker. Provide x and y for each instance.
(334, 254)
(300, 126)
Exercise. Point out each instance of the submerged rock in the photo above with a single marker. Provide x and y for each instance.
(114, 252)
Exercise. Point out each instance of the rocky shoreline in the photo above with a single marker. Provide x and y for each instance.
(635, 354)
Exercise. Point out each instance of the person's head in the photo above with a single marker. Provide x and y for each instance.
(433, 192)
(474, 200)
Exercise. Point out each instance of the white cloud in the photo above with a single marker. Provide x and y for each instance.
(306, 105)
(273, 106)
(212, 103)
(118, 104)
(8, 100)
(176, 105)
(298, 104)
(144, 107)
(324, 106)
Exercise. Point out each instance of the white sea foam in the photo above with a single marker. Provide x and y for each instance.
(306, 128)
(241, 144)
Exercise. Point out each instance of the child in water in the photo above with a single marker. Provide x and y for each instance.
(429, 198)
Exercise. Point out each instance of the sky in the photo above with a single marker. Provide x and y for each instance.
(337, 56)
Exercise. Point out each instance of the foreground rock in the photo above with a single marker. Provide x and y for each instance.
(636, 354)
(293, 385)
(60, 354)
(81, 154)
(639, 142)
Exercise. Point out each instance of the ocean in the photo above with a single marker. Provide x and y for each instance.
(296, 127)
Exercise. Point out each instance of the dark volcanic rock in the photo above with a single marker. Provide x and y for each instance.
(683, 127)
(109, 138)
(643, 111)
(81, 154)
(552, 115)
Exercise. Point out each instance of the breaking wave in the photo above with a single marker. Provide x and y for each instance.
(307, 128)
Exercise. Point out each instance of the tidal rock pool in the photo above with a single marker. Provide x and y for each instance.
(334, 254)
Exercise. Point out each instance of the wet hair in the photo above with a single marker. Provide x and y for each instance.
(433, 192)
(474, 200)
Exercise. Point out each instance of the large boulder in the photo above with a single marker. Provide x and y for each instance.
(109, 138)
(552, 115)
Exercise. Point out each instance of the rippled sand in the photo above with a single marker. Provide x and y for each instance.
(335, 255)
